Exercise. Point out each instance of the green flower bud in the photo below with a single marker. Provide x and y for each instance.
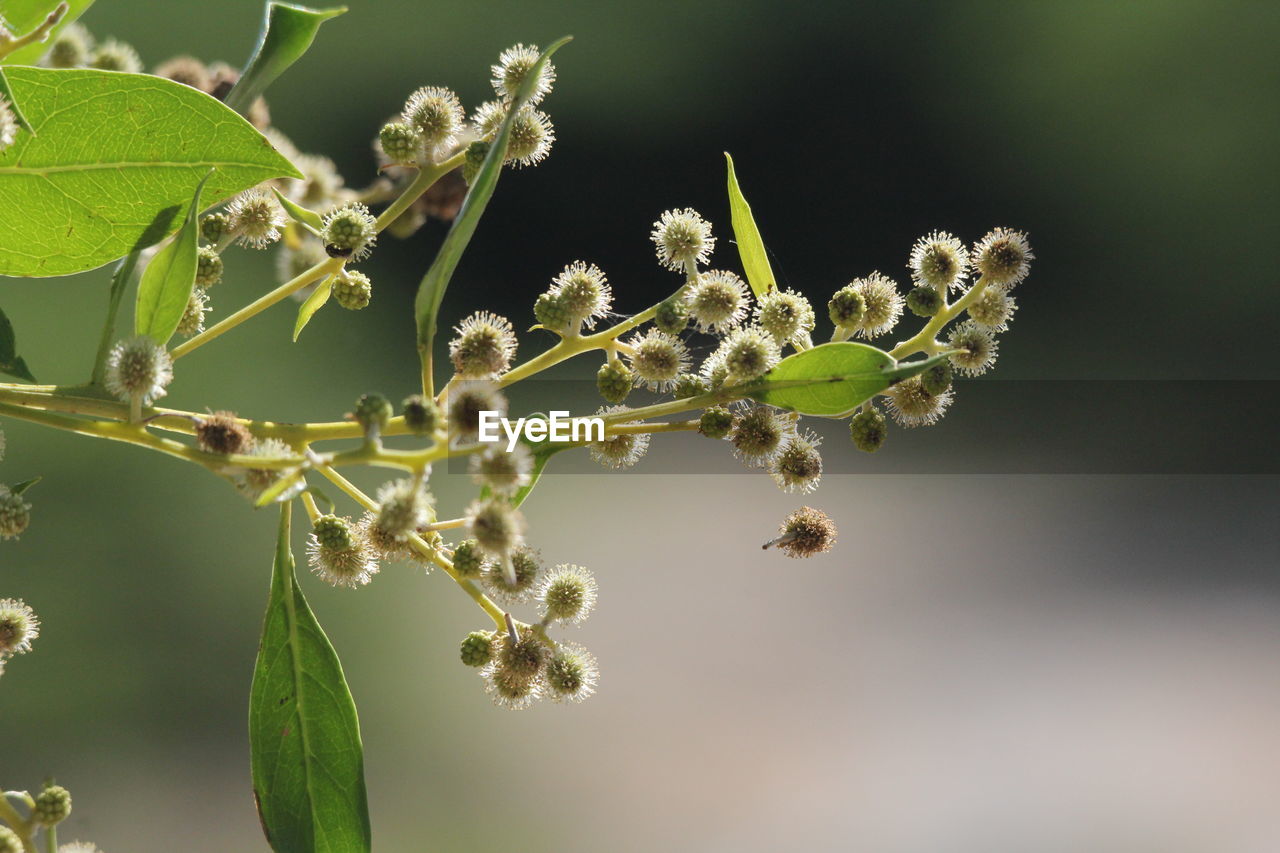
(672, 316)
(421, 416)
(401, 142)
(372, 413)
(924, 301)
(332, 532)
(208, 267)
(476, 152)
(689, 385)
(715, 422)
(868, 429)
(10, 842)
(477, 648)
(846, 307)
(53, 804)
(468, 560)
(349, 232)
(614, 381)
(220, 432)
(214, 227)
(551, 312)
(936, 379)
(352, 290)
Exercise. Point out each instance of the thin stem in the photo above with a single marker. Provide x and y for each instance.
(40, 33)
(422, 182)
(926, 339)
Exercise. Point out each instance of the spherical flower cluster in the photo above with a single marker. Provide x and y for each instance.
(614, 381)
(746, 353)
(939, 261)
(567, 594)
(532, 136)
(757, 435)
(993, 309)
(53, 805)
(401, 142)
(515, 64)
(513, 580)
(656, 359)
(255, 217)
(868, 429)
(115, 55)
(977, 345)
(338, 555)
(465, 403)
(718, 302)
(349, 231)
(672, 315)
(1003, 257)
(912, 405)
(138, 368)
(437, 115)
(504, 473)
(882, 304)
(352, 290)
(483, 346)
(477, 648)
(192, 321)
(498, 529)
(403, 507)
(797, 466)
(18, 627)
(9, 840)
(208, 267)
(572, 673)
(805, 532)
(682, 237)
(15, 514)
(71, 48)
(786, 316)
(468, 560)
(619, 450)
(422, 416)
(252, 482)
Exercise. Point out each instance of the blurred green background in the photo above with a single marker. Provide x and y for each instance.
(994, 658)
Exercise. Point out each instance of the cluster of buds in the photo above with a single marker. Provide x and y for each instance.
(48, 808)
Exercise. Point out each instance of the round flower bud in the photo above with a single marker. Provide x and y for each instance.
(993, 309)
(936, 379)
(372, 413)
(938, 261)
(785, 316)
(349, 231)
(338, 554)
(483, 346)
(496, 526)
(71, 48)
(567, 594)
(758, 434)
(477, 648)
(513, 578)
(208, 267)
(846, 308)
(912, 405)
(672, 316)
(805, 532)
(924, 301)
(403, 507)
(868, 429)
(192, 321)
(514, 65)
(256, 218)
(689, 385)
(797, 466)
(138, 367)
(221, 433)
(572, 673)
(657, 359)
(503, 472)
(531, 137)
(719, 301)
(468, 559)
(716, 422)
(466, 401)
(352, 290)
(882, 304)
(614, 381)
(978, 348)
(252, 482)
(421, 416)
(186, 70)
(53, 804)
(18, 627)
(584, 293)
(746, 353)
(620, 450)
(437, 115)
(477, 151)
(551, 313)
(682, 236)
(1004, 256)
(10, 842)
(401, 142)
(115, 55)
(214, 227)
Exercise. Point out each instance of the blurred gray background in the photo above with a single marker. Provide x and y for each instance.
(1051, 622)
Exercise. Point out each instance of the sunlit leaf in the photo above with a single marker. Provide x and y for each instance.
(314, 303)
(755, 261)
(167, 282)
(287, 32)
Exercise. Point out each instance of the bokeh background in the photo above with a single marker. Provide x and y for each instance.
(1052, 621)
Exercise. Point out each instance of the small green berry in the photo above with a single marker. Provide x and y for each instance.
(53, 804)
(551, 312)
(421, 416)
(468, 560)
(353, 290)
(476, 152)
(868, 429)
(372, 413)
(846, 307)
(477, 648)
(936, 379)
(10, 842)
(689, 385)
(716, 422)
(214, 227)
(208, 267)
(614, 381)
(672, 316)
(924, 301)
(332, 532)
(401, 142)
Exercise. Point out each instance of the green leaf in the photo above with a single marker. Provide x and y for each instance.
(14, 107)
(306, 756)
(167, 282)
(431, 290)
(755, 261)
(540, 459)
(117, 158)
(314, 303)
(24, 485)
(10, 363)
(831, 380)
(287, 32)
(298, 213)
(25, 15)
